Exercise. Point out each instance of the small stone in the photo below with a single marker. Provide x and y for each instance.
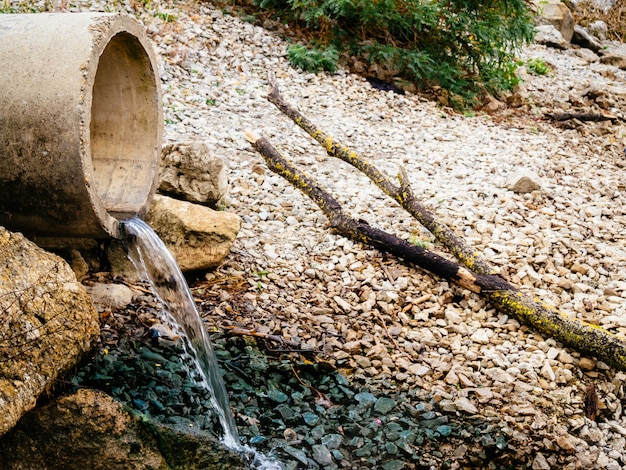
(384, 405)
(310, 418)
(481, 335)
(452, 378)
(365, 398)
(277, 396)
(567, 443)
(290, 435)
(565, 284)
(321, 454)
(363, 361)
(419, 369)
(464, 404)
(332, 441)
(524, 181)
(540, 462)
(393, 465)
(547, 372)
(453, 317)
(343, 305)
(297, 453)
(565, 357)
(587, 364)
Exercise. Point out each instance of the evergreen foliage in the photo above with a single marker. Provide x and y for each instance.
(463, 46)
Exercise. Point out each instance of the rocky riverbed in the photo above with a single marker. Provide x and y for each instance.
(382, 365)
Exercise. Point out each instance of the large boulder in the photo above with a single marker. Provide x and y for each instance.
(557, 14)
(584, 39)
(90, 430)
(48, 322)
(548, 35)
(198, 237)
(190, 172)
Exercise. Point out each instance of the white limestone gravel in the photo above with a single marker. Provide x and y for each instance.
(378, 320)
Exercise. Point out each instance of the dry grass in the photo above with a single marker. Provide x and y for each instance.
(587, 12)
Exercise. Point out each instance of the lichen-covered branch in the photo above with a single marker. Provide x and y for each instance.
(401, 194)
(588, 339)
(361, 231)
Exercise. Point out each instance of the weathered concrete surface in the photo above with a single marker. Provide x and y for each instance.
(80, 123)
(48, 322)
(90, 430)
(198, 237)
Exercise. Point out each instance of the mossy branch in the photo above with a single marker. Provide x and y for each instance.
(479, 276)
(402, 194)
(361, 231)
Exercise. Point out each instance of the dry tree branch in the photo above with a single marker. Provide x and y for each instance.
(588, 339)
(402, 194)
(361, 231)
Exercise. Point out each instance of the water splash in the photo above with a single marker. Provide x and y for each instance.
(155, 264)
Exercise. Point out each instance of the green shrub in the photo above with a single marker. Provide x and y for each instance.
(538, 66)
(313, 59)
(462, 46)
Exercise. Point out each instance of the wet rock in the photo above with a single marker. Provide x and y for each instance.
(189, 171)
(197, 236)
(384, 405)
(48, 323)
(88, 429)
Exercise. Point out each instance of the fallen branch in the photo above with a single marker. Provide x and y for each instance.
(361, 231)
(401, 194)
(594, 117)
(588, 339)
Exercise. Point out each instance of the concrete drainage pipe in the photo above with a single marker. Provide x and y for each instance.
(81, 123)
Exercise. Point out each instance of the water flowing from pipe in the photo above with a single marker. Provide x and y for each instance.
(155, 264)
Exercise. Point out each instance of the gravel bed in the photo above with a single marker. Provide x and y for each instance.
(374, 321)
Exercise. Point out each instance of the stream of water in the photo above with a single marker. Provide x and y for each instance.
(155, 264)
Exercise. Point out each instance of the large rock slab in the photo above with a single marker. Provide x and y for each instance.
(90, 430)
(198, 237)
(548, 35)
(189, 171)
(557, 14)
(583, 38)
(48, 322)
(615, 55)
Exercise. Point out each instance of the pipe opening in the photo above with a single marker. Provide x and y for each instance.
(124, 128)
